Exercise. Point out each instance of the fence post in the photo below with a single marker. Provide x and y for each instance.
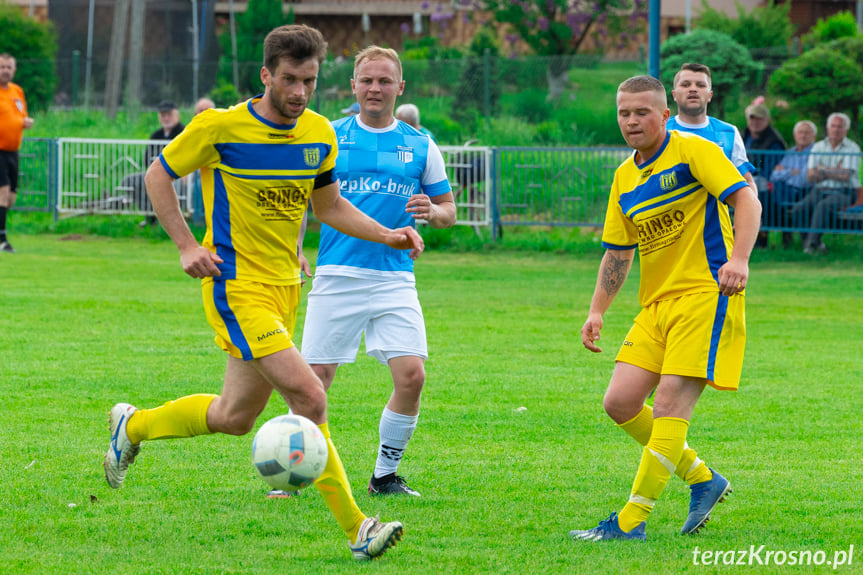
(53, 192)
(76, 56)
(496, 227)
(486, 84)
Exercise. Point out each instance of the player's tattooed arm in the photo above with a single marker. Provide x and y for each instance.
(614, 271)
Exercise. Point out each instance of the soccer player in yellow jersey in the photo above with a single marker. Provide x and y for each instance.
(669, 200)
(261, 162)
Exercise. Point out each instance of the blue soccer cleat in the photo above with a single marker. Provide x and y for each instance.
(609, 529)
(704, 497)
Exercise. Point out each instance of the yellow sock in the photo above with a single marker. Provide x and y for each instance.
(184, 417)
(659, 459)
(640, 426)
(690, 469)
(336, 491)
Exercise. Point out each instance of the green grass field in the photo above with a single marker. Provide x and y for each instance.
(92, 321)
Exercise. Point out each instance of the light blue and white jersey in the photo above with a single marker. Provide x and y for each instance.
(726, 135)
(379, 169)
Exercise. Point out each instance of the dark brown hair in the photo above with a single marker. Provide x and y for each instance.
(296, 42)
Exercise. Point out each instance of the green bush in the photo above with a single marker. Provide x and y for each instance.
(530, 105)
(548, 133)
(764, 27)
(449, 131)
(850, 46)
(731, 65)
(414, 73)
(506, 131)
(841, 25)
(224, 94)
(428, 48)
(34, 46)
(820, 82)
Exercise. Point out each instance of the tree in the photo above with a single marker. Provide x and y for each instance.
(253, 25)
(116, 56)
(559, 28)
(765, 27)
(820, 82)
(34, 46)
(730, 64)
(840, 25)
(850, 46)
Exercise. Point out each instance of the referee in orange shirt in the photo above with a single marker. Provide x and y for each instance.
(13, 121)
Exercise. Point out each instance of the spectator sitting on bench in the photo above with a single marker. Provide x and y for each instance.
(833, 171)
(763, 139)
(790, 178)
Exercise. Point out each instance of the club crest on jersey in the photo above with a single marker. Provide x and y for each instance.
(406, 155)
(312, 157)
(668, 181)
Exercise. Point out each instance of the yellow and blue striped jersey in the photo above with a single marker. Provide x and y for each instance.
(256, 178)
(672, 208)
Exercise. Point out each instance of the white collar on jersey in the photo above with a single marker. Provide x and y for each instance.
(376, 130)
(704, 124)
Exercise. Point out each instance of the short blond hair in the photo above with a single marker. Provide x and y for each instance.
(376, 53)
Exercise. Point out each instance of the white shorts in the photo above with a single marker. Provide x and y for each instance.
(340, 309)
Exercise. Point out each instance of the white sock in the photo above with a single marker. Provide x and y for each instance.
(395, 433)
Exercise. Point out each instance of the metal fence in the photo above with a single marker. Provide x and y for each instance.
(75, 176)
(107, 177)
(554, 186)
(37, 175)
(493, 187)
(470, 175)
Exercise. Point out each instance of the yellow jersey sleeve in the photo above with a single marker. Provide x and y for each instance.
(193, 148)
(672, 208)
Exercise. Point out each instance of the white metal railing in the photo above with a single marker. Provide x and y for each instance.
(99, 176)
(96, 176)
(469, 172)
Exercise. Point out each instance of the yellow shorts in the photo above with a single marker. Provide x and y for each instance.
(700, 335)
(251, 320)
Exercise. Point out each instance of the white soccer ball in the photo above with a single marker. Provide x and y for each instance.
(289, 452)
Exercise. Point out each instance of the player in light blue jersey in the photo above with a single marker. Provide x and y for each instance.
(394, 173)
(692, 92)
